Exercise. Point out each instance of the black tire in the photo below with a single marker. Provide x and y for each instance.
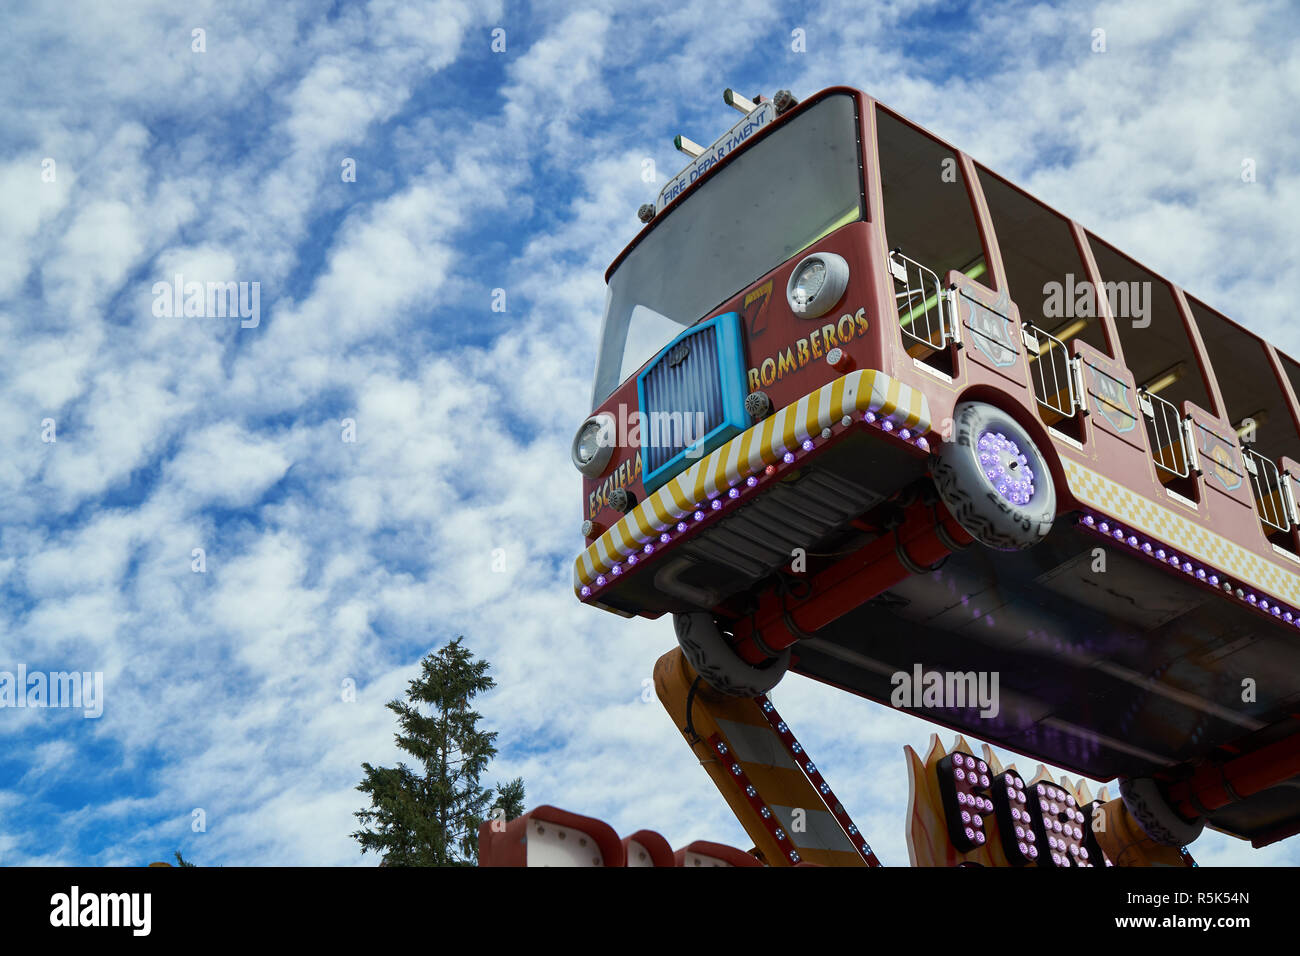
(719, 666)
(998, 520)
(1146, 804)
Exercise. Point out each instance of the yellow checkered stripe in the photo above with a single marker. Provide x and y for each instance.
(748, 454)
(1197, 541)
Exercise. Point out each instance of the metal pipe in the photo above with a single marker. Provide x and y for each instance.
(1213, 786)
(851, 582)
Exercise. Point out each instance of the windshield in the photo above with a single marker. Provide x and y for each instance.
(772, 201)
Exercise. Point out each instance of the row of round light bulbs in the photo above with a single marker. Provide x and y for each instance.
(1202, 574)
(715, 503)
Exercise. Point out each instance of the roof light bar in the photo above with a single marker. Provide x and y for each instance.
(687, 146)
(738, 102)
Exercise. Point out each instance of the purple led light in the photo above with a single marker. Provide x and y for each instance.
(586, 591)
(869, 417)
(649, 548)
(665, 538)
(699, 516)
(922, 444)
(1160, 553)
(631, 559)
(1173, 559)
(807, 444)
(1187, 567)
(681, 526)
(979, 837)
(788, 457)
(1214, 579)
(905, 435)
(1146, 547)
(715, 504)
(616, 570)
(1104, 527)
(1200, 574)
(751, 481)
(733, 493)
(887, 425)
(1132, 541)
(1118, 534)
(600, 580)
(1004, 466)
(1252, 599)
(1090, 521)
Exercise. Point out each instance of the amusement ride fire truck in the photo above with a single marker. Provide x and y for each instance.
(863, 408)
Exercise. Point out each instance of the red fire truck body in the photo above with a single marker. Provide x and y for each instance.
(864, 409)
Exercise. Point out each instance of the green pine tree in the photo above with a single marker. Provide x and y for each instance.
(430, 816)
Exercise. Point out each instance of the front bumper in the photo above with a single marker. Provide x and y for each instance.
(730, 474)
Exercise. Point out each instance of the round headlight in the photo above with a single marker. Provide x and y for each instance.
(817, 284)
(593, 445)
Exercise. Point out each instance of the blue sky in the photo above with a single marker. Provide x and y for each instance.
(329, 561)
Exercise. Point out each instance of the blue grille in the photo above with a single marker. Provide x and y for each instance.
(691, 397)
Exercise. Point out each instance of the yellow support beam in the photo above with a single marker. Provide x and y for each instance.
(739, 748)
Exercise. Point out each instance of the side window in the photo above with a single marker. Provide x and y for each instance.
(1045, 271)
(931, 228)
(1158, 349)
(1156, 345)
(928, 211)
(1256, 404)
(1292, 369)
(1259, 411)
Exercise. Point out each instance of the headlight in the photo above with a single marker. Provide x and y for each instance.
(817, 284)
(593, 445)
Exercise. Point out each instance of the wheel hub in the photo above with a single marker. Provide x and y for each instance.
(1006, 468)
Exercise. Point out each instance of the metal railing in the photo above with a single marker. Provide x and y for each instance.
(922, 304)
(1169, 446)
(1052, 372)
(1271, 494)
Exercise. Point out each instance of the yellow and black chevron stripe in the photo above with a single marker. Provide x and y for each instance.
(748, 454)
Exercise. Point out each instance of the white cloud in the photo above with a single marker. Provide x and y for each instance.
(224, 687)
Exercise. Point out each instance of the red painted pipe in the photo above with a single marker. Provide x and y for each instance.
(851, 582)
(1213, 785)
